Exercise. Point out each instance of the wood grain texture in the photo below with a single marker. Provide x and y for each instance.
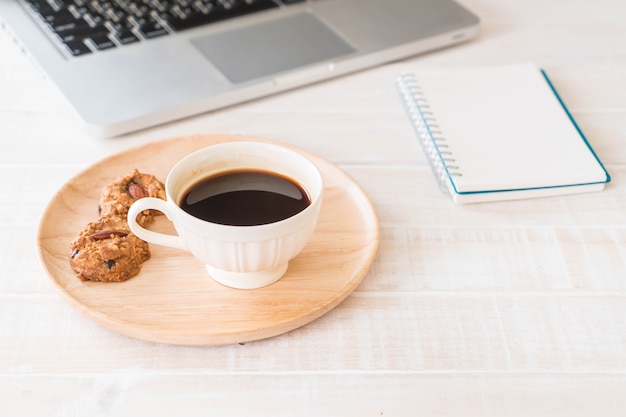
(173, 300)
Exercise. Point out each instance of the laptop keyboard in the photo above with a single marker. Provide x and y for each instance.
(84, 26)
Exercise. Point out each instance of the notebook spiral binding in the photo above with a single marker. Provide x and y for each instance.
(438, 154)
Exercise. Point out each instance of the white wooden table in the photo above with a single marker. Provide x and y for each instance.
(502, 309)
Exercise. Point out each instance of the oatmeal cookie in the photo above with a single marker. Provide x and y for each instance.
(117, 197)
(106, 250)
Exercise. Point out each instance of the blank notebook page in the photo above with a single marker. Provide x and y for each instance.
(506, 129)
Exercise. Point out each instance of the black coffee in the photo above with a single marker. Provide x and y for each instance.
(245, 198)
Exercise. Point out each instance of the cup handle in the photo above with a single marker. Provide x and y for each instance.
(151, 203)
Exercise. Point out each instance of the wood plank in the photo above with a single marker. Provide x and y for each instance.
(435, 331)
(488, 258)
(294, 394)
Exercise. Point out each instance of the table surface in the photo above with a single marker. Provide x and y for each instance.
(499, 309)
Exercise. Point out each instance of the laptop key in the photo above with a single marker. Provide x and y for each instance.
(125, 37)
(77, 47)
(58, 18)
(74, 27)
(100, 42)
(150, 30)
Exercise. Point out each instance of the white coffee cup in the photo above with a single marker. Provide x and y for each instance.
(236, 256)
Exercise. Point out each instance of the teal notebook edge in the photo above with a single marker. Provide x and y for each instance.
(571, 118)
(582, 136)
(444, 176)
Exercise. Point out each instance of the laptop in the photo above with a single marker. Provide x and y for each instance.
(126, 65)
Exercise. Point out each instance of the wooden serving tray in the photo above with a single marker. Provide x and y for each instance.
(173, 300)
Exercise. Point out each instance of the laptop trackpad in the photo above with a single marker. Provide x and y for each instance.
(271, 47)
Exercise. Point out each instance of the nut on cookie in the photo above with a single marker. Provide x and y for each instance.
(117, 197)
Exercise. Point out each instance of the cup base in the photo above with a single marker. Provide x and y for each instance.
(247, 280)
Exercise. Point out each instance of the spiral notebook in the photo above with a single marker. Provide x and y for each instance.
(499, 133)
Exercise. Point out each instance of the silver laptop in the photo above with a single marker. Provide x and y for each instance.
(125, 65)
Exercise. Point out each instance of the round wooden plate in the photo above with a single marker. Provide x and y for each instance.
(173, 300)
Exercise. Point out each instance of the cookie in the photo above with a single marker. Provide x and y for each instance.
(106, 250)
(117, 197)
